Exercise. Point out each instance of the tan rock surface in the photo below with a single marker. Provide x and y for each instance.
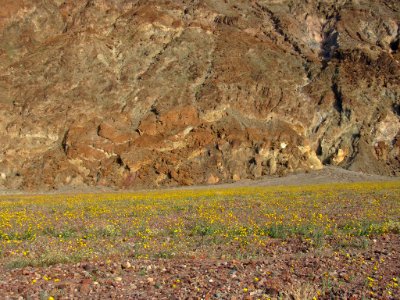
(155, 93)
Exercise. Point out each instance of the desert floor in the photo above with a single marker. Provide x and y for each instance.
(329, 234)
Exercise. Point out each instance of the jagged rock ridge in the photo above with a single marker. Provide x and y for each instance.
(154, 93)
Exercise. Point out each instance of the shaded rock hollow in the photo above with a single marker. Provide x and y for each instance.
(158, 93)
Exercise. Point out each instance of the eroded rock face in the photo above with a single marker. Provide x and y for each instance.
(148, 93)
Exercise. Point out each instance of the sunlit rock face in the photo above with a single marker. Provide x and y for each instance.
(134, 94)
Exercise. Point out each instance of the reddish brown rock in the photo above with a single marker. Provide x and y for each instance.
(149, 93)
(116, 136)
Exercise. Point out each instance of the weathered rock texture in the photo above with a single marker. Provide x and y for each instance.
(143, 93)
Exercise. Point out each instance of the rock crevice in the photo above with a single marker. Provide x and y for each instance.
(135, 94)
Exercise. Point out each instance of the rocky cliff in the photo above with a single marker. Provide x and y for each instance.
(142, 93)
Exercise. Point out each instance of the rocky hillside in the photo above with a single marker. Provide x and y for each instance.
(142, 93)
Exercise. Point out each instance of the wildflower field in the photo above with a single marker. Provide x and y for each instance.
(319, 242)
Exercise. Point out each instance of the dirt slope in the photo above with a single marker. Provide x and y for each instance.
(133, 94)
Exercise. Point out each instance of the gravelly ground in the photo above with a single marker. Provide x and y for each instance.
(291, 271)
(327, 175)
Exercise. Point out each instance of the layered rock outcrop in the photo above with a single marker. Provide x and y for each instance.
(149, 93)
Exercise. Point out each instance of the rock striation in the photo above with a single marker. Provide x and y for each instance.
(146, 93)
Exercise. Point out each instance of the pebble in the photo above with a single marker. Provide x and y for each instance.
(126, 265)
(86, 281)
